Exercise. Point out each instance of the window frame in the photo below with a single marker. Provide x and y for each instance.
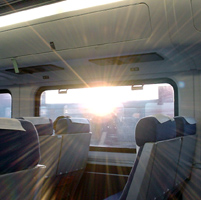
(122, 83)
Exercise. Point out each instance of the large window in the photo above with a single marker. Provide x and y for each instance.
(112, 111)
(6, 104)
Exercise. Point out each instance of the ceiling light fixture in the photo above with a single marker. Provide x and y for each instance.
(49, 10)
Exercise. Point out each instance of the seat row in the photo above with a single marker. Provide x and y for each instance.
(164, 160)
(162, 167)
(40, 162)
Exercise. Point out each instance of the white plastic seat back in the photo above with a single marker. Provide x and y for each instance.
(164, 169)
(50, 147)
(186, 129)
(25, 184)
(75, 144)
(74, 152)
(156, 171)
(75, 134)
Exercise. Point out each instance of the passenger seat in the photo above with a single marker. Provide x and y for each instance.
(20, 173)
(64, 153)
(50, 145)
(164, 160)
(76, 136)
(154, 171)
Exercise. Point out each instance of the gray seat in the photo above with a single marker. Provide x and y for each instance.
(50, 145)
(154, 171)
(75, 133)
(164, 160)
(20, 174)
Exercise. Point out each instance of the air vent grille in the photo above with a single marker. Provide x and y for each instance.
(36, 69)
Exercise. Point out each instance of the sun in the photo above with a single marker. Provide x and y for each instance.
(101, 108)
(102, 101)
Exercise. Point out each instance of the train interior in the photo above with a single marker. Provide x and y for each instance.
(100, 99)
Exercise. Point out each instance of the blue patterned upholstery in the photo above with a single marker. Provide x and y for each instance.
(19, 150)
(150, 129)
(185, 126)
(43, 125)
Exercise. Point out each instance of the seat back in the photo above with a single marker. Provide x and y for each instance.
(19, 145)
(75, 133)
(186, 129)
(19, 154)
(76, 137)
(50, 145)
(155, 169)
(43, 125)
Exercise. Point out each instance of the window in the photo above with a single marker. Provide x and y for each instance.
(5, 105)
(113, 111)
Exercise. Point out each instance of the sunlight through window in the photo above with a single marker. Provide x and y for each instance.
(113, 112)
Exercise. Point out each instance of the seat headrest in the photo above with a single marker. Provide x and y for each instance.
(43, 125)
(10, 124)
(68, 125)
(19, 147)
(185, 126)
(57, 119)
(155, 128)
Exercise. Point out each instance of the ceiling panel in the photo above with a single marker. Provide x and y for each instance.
(98, 28)
(115, 25)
